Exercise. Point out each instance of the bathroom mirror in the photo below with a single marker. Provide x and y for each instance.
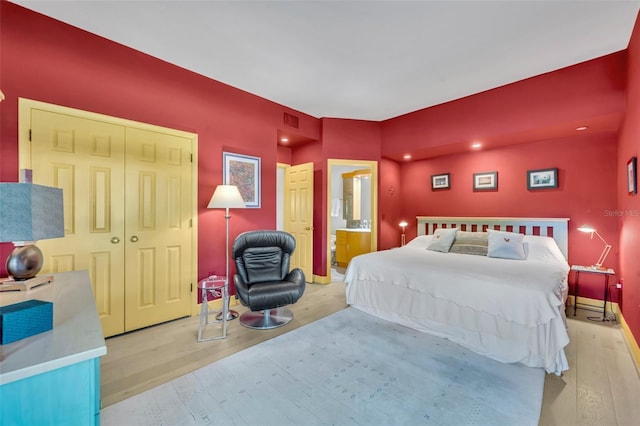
(356, 193)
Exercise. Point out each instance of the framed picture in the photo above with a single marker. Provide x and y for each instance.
(485, 181)
(243, 171)
(440, 181)
(632, 187)
(542, 179)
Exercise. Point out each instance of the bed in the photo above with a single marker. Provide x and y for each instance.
(508, 309)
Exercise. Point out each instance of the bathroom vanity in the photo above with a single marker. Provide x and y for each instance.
(351, 243)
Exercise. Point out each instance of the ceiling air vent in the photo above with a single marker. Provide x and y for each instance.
(290, 120)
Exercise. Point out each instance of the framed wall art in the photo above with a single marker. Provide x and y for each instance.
(542, 179)
(440, 181)
(485, 181)
(632, 186)
(243, 171)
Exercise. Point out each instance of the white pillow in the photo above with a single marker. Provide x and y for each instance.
(442, 239)
(506, 245)
(543, 249)
(419, 242)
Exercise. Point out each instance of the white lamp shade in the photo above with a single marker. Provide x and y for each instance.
(30, 212)
(586, 228)
(226, 196)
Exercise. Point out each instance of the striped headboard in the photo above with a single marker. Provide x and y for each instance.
(557, 228)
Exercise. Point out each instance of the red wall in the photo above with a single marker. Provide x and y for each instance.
(629, 205)
(49, 61)
(341, 139)
(586, 173)
(390, 210)
(542, 107)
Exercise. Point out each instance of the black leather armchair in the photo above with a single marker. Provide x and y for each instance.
(263, 280)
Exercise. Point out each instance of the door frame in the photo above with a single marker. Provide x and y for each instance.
(280, 189)
(24, 162)
(373, 166)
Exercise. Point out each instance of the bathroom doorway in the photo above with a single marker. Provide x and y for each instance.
(352, 201)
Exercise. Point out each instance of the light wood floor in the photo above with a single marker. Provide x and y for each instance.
(602, 386)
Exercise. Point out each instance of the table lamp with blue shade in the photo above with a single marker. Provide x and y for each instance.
(29, 213)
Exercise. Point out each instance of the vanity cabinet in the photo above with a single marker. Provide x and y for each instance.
(351, 243)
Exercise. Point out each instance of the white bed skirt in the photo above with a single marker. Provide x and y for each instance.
(505, 341)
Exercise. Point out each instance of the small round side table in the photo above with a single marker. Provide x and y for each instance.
(216, 286)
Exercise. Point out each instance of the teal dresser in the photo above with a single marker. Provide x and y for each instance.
(53, 378)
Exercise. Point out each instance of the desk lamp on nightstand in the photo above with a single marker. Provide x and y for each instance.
(607, 247)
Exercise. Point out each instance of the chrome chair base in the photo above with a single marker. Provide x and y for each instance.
(231, 315)
(267, 319)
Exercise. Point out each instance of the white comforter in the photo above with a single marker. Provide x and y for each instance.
(498, 297)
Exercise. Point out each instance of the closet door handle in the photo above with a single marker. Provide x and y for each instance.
(134, 239)
(115, 240)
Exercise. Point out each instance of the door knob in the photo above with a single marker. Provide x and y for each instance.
(134, 239)
(115, 240)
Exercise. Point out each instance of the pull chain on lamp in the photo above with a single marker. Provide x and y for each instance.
(227, 197)
(605, 251)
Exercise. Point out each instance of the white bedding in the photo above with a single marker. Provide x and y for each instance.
(509, 310)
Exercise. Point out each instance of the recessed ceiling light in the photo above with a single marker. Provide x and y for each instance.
(284, 139)
(407, 156)
(581, 128)
(476, 145)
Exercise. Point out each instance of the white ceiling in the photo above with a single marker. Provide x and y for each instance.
(368, 60)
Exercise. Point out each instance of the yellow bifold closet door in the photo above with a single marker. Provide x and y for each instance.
(128, 208)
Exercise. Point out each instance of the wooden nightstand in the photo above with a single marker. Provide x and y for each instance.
(607, 272)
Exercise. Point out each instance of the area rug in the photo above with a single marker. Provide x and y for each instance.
(349, 368)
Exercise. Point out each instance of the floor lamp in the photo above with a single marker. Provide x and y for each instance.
(227, 197)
